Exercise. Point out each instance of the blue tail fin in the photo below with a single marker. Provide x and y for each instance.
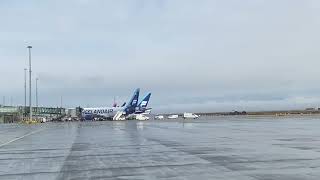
(145, 101)
(142, 107)
(134, 99)
(132, 104)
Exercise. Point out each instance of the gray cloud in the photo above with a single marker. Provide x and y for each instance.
(202, 55)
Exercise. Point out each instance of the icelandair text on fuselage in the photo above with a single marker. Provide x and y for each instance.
(98, 111)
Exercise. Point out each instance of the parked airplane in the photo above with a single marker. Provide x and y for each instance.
(110, 112)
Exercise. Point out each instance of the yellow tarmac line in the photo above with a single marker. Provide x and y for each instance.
(18, 138)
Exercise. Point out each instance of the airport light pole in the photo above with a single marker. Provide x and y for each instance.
(30, 99)
(37, 93)
(25, 91)
(61, 101)
(61, 105)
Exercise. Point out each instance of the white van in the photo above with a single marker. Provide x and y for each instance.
(141, 117)
(174, 116)
(159, 117)
(43, 120)
(190, 116)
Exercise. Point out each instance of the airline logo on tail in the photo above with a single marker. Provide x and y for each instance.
(130, 108)
(142, 107)
(144, 103)
(134, 102)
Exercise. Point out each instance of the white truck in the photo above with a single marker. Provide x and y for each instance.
(173, 116)
(159, 117)
(43, 120)
(190, 116)
(141, 117)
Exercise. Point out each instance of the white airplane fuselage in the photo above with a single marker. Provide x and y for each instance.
(107, 112)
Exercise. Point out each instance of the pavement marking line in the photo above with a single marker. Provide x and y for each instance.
(18, 138)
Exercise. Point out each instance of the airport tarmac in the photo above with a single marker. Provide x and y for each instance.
(231, 148)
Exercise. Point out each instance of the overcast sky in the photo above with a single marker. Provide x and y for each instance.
(193, 55)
